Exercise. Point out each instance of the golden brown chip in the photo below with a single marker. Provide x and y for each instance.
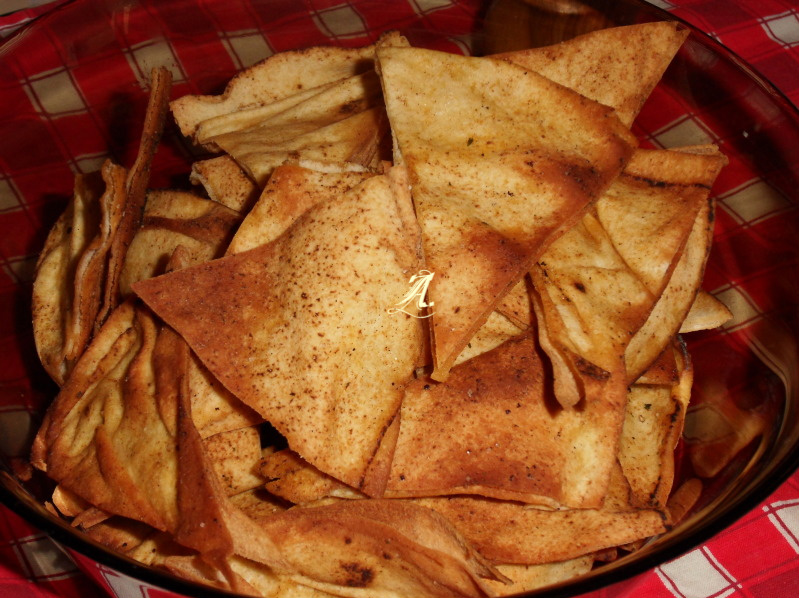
(653, 425)
(589, 304)
(290, 192)
(314, 350)
(356, 140)
(135, 192)
(526, 578)
(68, 287)
(509, 532)
(657, 197)
(277, 77)
(330, 104)
(706, 313)
(235, 456)
(494, 429)
(387, 547)
(676, 299)
(91, 441)
(492, 192)
(618, 67)
(172, 218)
(290, 477)
(225, 182)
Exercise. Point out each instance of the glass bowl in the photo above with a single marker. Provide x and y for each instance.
(73, 90)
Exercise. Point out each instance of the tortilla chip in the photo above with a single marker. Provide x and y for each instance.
(323, 285)
(91, 441)
(225, 182)
(492, 192)
(135, 192)
(618, 67)
(328, 105)
(496, 330)
(493, 429)
(290, 477)
(215, 409)
(526, 578)
(517, 305)
(675, 301)
(59, 319)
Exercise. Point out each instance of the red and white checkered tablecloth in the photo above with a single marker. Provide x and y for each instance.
(756, 557)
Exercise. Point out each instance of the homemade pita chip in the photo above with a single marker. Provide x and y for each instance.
(277, 77)
(290, 477)
(356, 139)
(92, 441)
(675, 301)
(492, 429)
(658, 197)
(492, 192)
(378, 548)
(138, 177)
(653, 424)
(235, 456)
(496, 330)
(311, 322)
(455, 375)
(225, 182)
(247, 118)
(618, 67)
(589, 305)
(202, 227)
(526, 578)
(63, 283)
(329, 105)
(706, 313)
(531, 535)
(214, 409)
(290, 192)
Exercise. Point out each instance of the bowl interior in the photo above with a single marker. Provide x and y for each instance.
(74, 89)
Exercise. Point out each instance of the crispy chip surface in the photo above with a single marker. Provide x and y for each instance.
(314, 350)
(494, 191)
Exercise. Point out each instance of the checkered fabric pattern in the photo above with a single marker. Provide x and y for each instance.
(73, 111)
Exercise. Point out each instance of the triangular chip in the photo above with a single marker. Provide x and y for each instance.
(290, 192)
(328, 105)
(657, 197)
(91, 441)
(493, 429)
(589, 305)
(653, 424)
(277, 77)
(390, 548)
(618, 67)
(225, 182)
(508, 532)
(355, 139)
(492, 191)
(676, 299)
(706, 313)
(305, 339)
(171, 218)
